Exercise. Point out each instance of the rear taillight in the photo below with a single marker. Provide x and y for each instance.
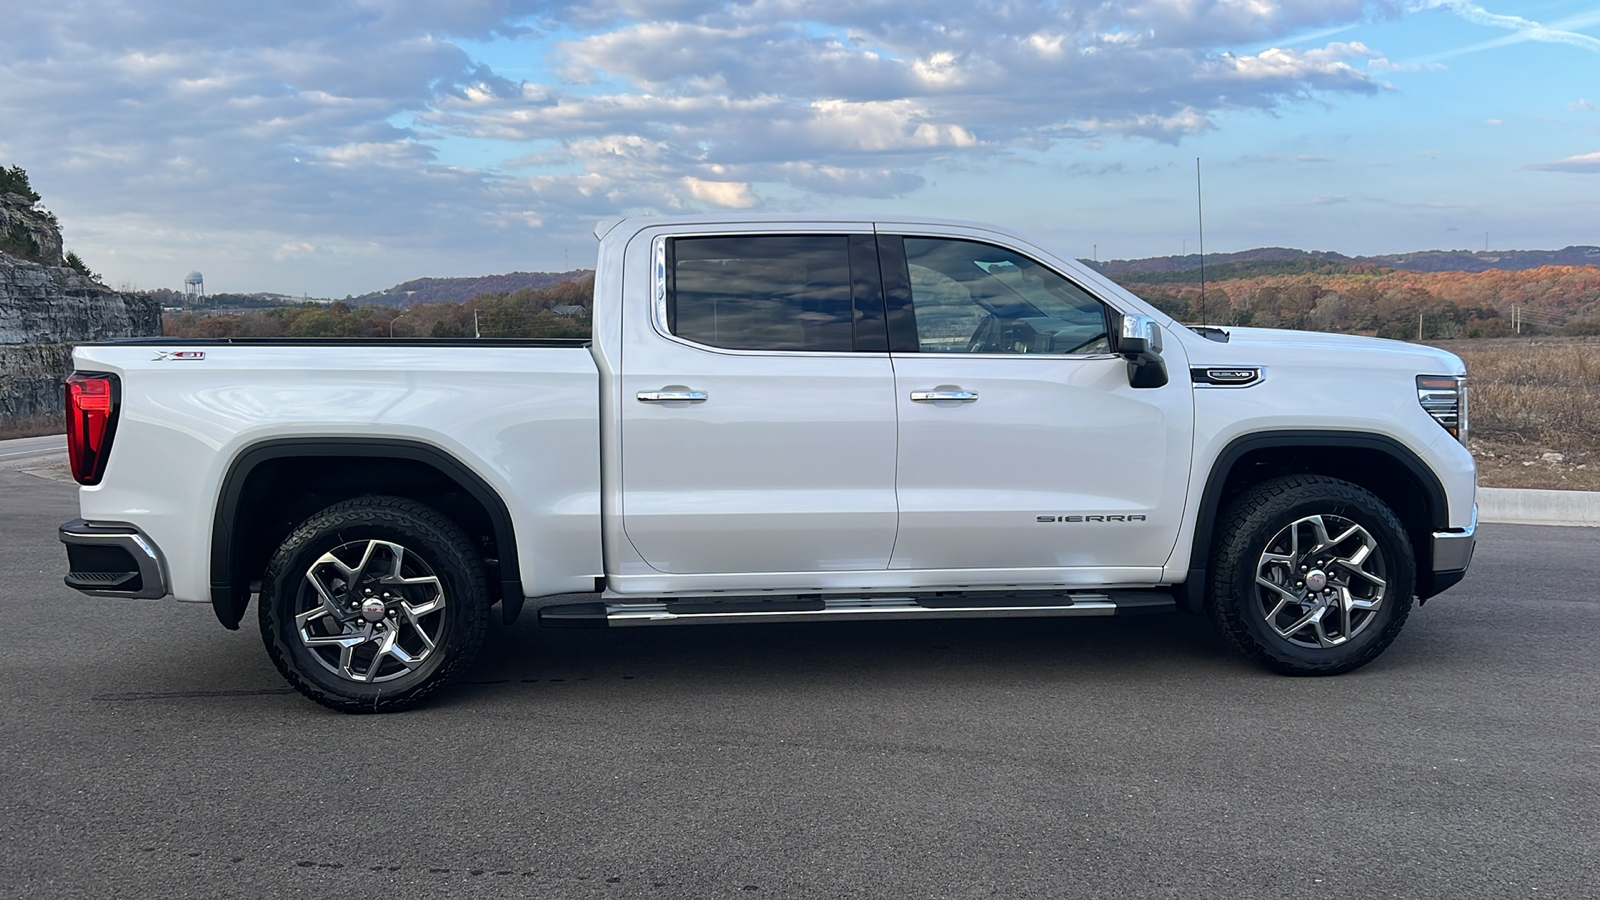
(91, 422)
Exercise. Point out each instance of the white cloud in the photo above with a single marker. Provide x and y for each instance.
(301, 250)
(725, 194)
(1379, 64)
(326, 122)
(1523, 29)
(1320, 68)
(1588, 163)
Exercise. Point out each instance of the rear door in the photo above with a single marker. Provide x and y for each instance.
(1021, 442)
(758, 406)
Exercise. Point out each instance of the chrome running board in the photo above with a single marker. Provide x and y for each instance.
(704, 611)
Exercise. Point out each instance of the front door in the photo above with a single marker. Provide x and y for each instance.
(1022, 444)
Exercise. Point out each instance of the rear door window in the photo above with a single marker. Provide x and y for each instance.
(764, 292)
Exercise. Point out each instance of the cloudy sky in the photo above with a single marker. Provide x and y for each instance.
(341, 146)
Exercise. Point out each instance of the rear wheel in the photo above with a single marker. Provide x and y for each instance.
(373, 604)
(1312, 576)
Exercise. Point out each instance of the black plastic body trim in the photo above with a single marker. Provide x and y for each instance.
(113, 559)
(1434, 497)
(901, 316)
(866, 291)
(1443, 581)
(230, 597)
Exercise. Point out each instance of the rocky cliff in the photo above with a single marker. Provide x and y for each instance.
(46, 308)
(18, 215)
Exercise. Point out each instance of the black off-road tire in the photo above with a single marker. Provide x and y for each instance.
(1256, 518)
(433, 546)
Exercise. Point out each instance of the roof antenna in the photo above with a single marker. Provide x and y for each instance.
(1200, 208)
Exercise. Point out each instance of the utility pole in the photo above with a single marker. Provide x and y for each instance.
(1419, 326)
(475, 332)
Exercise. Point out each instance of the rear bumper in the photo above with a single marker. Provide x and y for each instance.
(113, 559)
(1452, 554)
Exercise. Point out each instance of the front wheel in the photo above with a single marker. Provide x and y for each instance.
(373, 604)
(1311, 576)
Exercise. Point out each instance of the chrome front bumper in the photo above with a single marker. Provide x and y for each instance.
(1452, 550)
(1452, 553)
(112, 559)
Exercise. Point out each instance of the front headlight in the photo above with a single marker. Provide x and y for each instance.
(1445, 398)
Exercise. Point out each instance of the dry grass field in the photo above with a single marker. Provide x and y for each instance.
(1535, 411)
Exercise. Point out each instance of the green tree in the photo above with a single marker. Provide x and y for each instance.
(325, 323)
(18, 242)
(76, 264)
(15, 181)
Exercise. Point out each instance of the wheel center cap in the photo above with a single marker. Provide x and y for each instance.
(1316, 581)
(373, 610)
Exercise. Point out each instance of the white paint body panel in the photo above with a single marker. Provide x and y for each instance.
(1322, 382)
(801, 472)
(523, 419)
(1048, 436)
(787, 466)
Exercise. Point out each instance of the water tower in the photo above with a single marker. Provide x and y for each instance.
(194, 285)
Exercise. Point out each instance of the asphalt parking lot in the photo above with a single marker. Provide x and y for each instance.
(147, 752)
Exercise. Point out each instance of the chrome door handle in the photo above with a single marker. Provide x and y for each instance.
(935, 396)
(670, 396)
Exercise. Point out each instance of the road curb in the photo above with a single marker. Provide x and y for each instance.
(1527, 507)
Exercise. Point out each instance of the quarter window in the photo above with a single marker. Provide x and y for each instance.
(978, 298)
(767, 292)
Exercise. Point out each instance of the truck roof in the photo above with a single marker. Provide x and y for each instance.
(636, 223)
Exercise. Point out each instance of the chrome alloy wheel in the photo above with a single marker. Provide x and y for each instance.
(1321, 581)
(370, 611)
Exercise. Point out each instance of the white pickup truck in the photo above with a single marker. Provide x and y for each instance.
(778, 420)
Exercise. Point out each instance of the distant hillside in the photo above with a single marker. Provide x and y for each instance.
(460, 290)
(1501, 260)
(1284, 261)
(1364, 298)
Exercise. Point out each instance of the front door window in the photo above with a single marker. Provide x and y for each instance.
(978, 298)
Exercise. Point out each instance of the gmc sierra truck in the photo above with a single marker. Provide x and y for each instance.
(777, 420)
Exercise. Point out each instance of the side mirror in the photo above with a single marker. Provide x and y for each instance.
(1138, 340)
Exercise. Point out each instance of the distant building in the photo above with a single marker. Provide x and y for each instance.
(569, 312)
